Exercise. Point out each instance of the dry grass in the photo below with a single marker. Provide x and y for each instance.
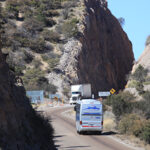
(109, 124)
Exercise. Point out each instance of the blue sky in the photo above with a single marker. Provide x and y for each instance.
(137, 21)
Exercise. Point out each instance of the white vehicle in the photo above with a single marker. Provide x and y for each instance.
(89, 116)
(80, 91)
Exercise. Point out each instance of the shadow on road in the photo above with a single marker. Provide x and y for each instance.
(109, 133)
(100, 134)
(68, 147)
(75, 147)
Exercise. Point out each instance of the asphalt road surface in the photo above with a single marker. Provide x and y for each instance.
(66, 137)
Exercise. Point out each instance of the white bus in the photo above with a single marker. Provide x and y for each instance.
(89, 115)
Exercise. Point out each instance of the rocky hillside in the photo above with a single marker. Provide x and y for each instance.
(144, 59)
(53, 44)
(20, 126)
(139, 79)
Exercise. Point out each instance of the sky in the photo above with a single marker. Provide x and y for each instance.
(137, 21)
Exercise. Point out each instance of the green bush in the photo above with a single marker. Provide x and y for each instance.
(51, 13)
(127, 96)
(51, 88)
(32, 77)
(28, 57)
(69, 28)
(131, 124)
(140, 74)
(146, 104)
(53, 62)
(52, 59)
(51, 36)
(33, 25)
(140, 88)
(120, 104)
(36, 63)
(66, 91)
(146, 132)
(132, 83)
(12, 7)
(19, 70)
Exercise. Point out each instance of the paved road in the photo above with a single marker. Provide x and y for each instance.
(66, 137)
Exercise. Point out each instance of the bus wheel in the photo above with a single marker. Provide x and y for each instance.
(99, 132)
(79, 132)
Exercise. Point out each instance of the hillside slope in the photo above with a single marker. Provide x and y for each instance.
(144, 59)
(20, 126)
(53, 44)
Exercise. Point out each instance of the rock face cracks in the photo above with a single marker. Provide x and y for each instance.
(106, 56)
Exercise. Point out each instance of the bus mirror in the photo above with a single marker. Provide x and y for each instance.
(74, 108)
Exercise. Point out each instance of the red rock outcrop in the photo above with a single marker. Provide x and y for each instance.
(106, 57)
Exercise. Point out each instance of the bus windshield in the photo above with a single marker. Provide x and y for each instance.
(75, 92)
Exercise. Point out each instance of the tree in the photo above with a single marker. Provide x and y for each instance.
(121, 21)
(140, 74)
(120, 105)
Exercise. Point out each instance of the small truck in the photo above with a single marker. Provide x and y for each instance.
(79, 92)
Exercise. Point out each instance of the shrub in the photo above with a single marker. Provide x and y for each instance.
(19, 70)
(51, 36)
(69, 28)
(69, 4)
(132, 83)
(37, 63)
(33, 25)
(49, 22)
(146, 102)
(31, 78)
(127, 96)
(131, 124)
(66, 91)
(28, 57)
(12, 6)
(65, 13)
(120, 104)
(140, 88)
(146, 132)
(140, 74)
(34, 80)
(51, 13)
(121, 21)
(51, 88)
(147, 41)
(53, 62)
(39, 45)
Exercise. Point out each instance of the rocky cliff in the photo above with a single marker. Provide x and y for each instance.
(106, 57)
(21, 128)
(105, 53)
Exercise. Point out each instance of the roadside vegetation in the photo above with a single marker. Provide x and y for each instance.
(33, 31)
(132, 115)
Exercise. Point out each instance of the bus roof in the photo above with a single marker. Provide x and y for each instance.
(89, 101)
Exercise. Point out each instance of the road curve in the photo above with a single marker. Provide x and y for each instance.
(66, 137)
